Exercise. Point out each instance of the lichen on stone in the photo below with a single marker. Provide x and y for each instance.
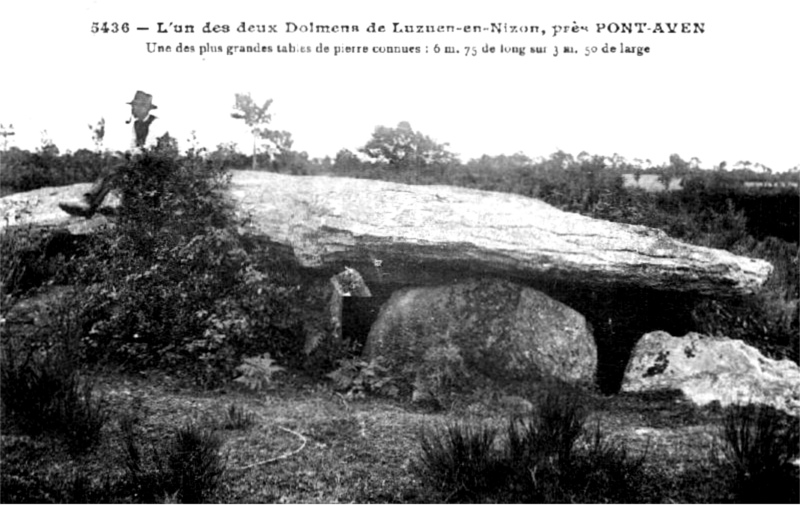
(661, 364)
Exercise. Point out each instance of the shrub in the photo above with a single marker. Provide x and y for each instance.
(546, 463)
(45, 396)
(166, 311)
(256, 372)
(42, 388)
(541, 460)
(24, 170)
(144, 481)
(459, 460)
(188, 469)
(238, 418)
(358, 377)
(769, 320)
(182, 286)
(760, 444)
(769, 325)
(31, 257)
(605, 472)
(164, 197)
(540, 449)
(561, 416)
(194, 464)
(16, 258)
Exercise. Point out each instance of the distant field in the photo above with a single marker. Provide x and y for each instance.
(650, 183)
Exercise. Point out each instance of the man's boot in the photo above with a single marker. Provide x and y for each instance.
(86, 209)
(77, 209)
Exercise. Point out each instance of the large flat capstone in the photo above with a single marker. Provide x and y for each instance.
(396, 232)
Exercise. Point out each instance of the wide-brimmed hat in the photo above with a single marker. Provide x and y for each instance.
(143, 98)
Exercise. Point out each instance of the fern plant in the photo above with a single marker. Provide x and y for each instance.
(359, 377)
(257, 371)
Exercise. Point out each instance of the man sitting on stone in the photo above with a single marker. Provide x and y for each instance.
(141, 136)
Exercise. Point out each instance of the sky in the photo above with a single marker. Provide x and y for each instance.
(728, 94)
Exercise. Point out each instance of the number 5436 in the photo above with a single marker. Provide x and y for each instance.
(106, 27)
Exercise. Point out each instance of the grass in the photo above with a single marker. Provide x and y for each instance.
(761, 444)
(44, 392)
(187, 468)
(645, 447)
(539, 459)
(237, 418)
(606, 471)
(459, 459)
(357, 451)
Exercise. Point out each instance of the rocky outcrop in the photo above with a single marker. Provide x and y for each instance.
(428, 235)
(40, 207)
(461, 334)
(710, 369)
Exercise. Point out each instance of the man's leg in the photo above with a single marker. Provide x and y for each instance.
(98, 193)
(94, 198)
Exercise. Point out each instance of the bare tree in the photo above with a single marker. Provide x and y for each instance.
(255, 116)
(6, 131)
(98, 133)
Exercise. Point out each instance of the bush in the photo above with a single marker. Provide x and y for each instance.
(44, 395)
(770, 319)
(760, 444)
(165, 312)
(194, 464)
(182, 287)
(24, 170)
(540, 449)
(459, 460)
(561, 417)
(165, 198)
(541, 461)
(31, 257)
(237, 418)
(17, 257)
(546, 462)
(188, 469)
(43, 390)
(358, 377)
(606, 472)
(769, 325)
(257, 371)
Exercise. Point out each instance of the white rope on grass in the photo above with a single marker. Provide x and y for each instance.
(277, 458)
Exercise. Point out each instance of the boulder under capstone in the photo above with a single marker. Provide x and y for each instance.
(481, 332)
(708, 369)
